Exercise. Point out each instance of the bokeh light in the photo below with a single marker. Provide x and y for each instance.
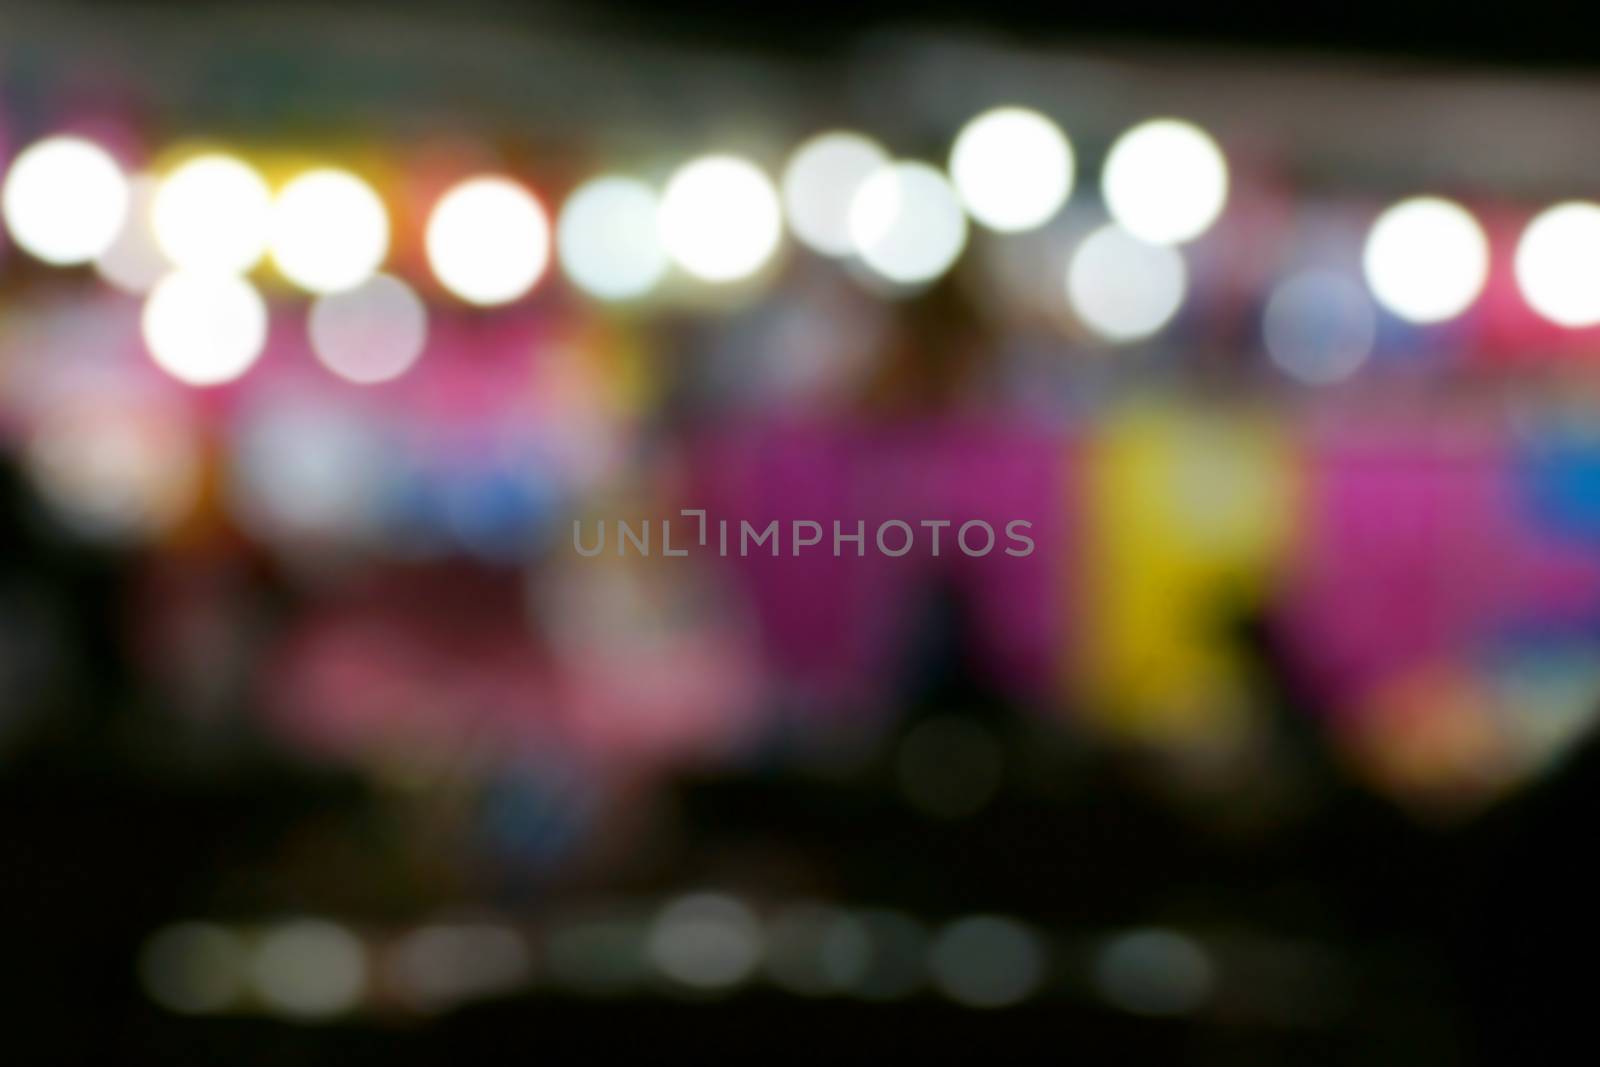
(212, 214)
(606, 238)
(1319, 327)
(1558, 264)
(204, 329)
(488, 240)
(907, 224)
(1165, 181)
(64, 200)
(886, 960)
(372, 333)
(987, 961)
(1154, 972)
(599, 954)
(819, 184)
(706, 941)
(309, 968)
(949, 767)
(720, 219)
(1426, 259)
(1124, 288)
(302, 466)
(114, 471)
(437, 966)
(330, 231)
(193, 967)
(114, 474)
(814, 950)
(133, 262)
(1013, 168)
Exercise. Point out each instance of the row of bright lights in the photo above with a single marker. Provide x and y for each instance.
(709, 944)
(719, 218)
(190, 238)
(1427, 260)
